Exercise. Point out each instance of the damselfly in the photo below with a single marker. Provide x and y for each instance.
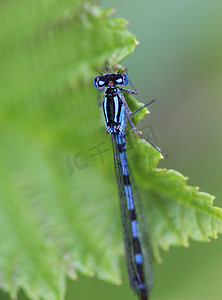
(136, 240)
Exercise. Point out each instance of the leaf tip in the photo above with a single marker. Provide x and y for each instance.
(186, 245)
(162, 157)
(119, 282)
(159, 260)
(73, 276)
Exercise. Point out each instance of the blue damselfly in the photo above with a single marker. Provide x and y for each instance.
(136, 239)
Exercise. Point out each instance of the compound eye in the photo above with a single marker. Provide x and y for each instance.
(119, 80)
(125, 79)
(122, 79)
(99, 82)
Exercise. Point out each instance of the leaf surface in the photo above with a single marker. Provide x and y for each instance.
(59, 210)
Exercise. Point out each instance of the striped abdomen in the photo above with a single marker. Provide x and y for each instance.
(136, 275)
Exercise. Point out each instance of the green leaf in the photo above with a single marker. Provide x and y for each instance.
(59, 210)
(175, 211)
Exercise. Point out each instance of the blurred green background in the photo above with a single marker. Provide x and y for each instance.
(179, 63)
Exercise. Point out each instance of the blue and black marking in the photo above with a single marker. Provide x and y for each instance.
(137, 246)
(131, 228)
